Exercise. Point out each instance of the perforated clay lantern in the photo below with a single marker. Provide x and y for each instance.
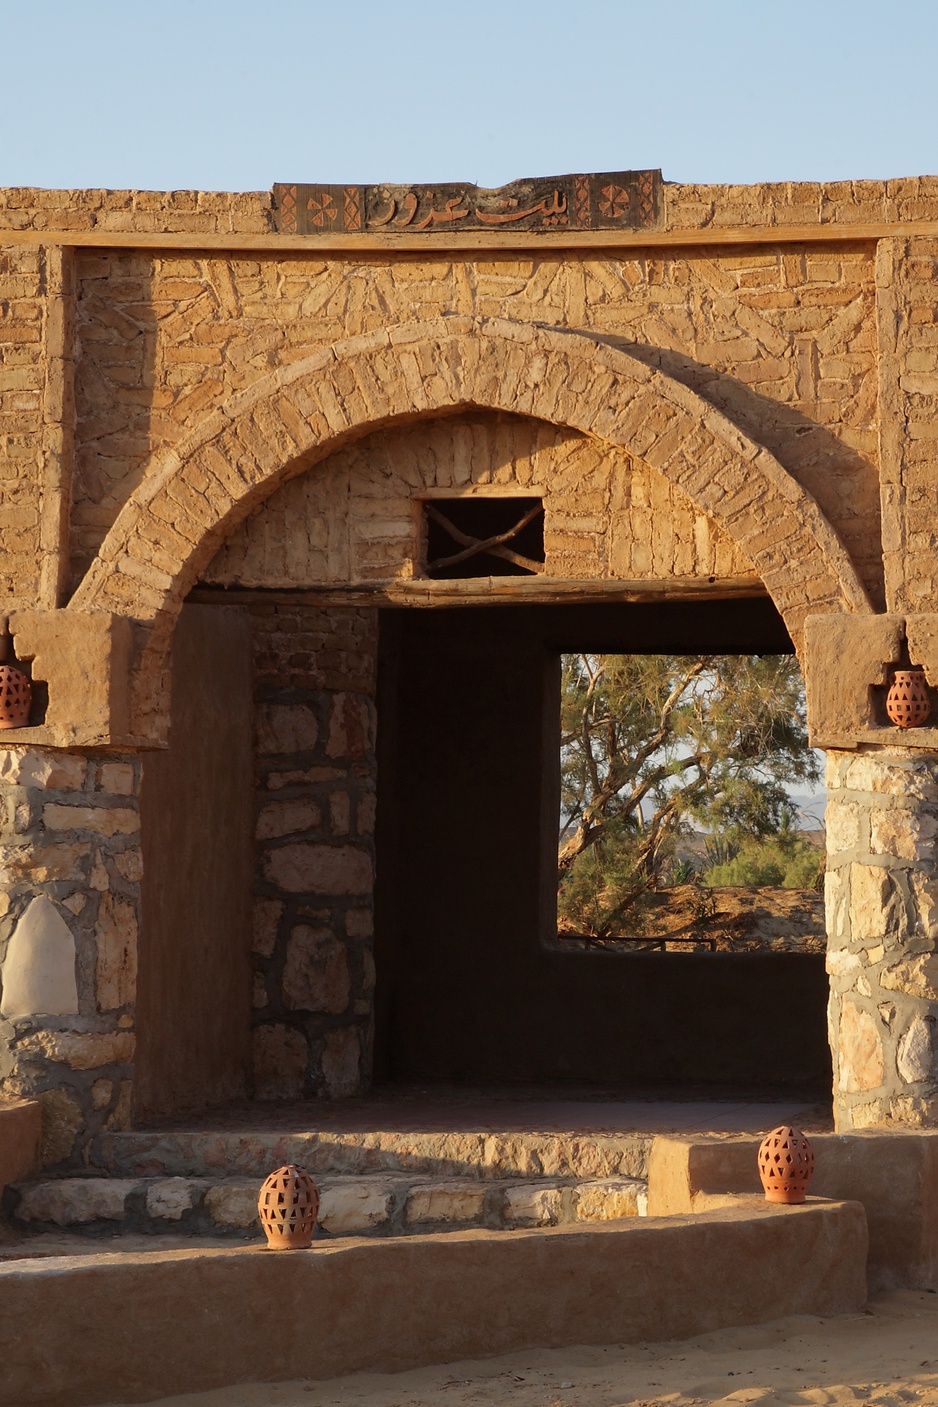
(907, 701)
(786, 1165)
(288, 1204)
(15, 697)
(15, 689)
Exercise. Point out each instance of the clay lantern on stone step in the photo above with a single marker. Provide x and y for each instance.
(15, 689)
(907, 701)
(786, 1165)
(288, 1205)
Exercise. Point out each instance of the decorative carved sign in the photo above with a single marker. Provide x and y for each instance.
(614, 200)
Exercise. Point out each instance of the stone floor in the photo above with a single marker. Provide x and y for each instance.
(535, 1109)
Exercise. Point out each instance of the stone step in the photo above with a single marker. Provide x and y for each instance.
(373, 1205)
(474, 1154)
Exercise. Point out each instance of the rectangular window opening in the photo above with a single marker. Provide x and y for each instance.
(691, 806)
(482, 536)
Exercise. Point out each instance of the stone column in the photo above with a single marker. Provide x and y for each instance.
(882, 925)
(315, 763)
(70, 870)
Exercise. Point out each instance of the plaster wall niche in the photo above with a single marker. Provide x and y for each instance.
(39, 971)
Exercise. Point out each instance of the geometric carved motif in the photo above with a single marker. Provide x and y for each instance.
(604, 201)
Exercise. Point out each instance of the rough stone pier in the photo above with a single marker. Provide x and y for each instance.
(882, 906)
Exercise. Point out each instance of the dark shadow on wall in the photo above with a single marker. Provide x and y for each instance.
(468, 988)
(196, 804)
(116, 329)
(844, 484)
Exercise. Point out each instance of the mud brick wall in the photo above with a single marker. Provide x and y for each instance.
(882, 924)
(70, 869)
(313, 918)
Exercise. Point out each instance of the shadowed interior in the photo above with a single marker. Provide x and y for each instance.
(470, 986)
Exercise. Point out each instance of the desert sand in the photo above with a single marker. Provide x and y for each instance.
(886, 1357)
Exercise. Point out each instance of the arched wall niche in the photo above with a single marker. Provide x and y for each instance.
(196, 495)
(355, 518)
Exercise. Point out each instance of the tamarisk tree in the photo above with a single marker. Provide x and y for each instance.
(656, 746)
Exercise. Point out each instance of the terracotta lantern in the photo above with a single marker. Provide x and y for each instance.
(15, 689)
(288, 1205)
(907, 702)
(786, 1165)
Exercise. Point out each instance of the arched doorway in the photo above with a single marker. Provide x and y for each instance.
(286, 511)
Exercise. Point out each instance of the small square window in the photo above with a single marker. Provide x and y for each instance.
(467, 537)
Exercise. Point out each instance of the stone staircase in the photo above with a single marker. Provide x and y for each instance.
(550, 1250)
(371, 1205)
(372, 1183)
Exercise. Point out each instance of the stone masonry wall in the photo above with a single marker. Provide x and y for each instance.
(827, 353)
(313, 919)
(906, 274)
(356, 516)
(882, 920)
(780, 339)
(22, 376)
(687, 206)
(70, 869)
(166, 338)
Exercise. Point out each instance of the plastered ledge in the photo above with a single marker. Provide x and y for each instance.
(847, 659)
(84, 660)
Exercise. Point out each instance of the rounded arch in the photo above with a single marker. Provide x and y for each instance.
(196, 492)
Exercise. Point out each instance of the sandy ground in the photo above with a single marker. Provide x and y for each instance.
(887, 1356)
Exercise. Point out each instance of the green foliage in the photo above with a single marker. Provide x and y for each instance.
(655, 746)
(786, 860)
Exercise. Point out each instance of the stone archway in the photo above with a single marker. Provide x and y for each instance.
(195, 493)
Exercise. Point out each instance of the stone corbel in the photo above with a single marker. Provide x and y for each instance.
(80, 662)
(847, 659)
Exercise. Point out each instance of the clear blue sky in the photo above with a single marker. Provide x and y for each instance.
(237, 94)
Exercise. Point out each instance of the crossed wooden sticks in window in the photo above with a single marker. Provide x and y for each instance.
(493, 546)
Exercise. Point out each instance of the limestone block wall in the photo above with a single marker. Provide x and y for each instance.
(882, 923)
(313, 916)
(70, 869)
(356, 516)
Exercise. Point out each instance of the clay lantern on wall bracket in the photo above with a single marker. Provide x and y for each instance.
(288, 1205)
(907, 702)
(786, 1165)
(15, 689)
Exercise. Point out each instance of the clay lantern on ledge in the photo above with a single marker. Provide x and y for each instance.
(15, 689)
(786, 1165)
(907, 702)
(288, 1205)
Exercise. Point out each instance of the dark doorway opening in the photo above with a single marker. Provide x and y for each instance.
(469, 987)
